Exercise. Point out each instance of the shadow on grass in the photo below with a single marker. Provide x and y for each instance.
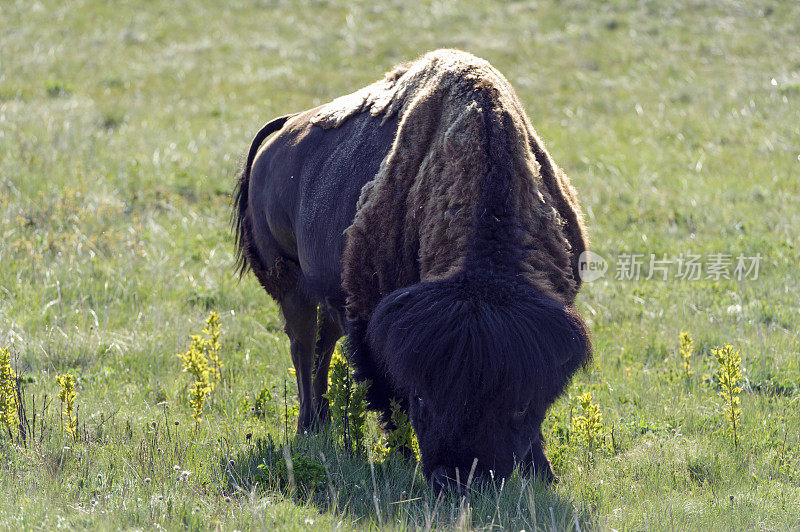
(391, 491)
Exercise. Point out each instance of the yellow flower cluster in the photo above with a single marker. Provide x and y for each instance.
(67, 396)
(686, 351)
(202, 362)
(729, 375)
(8, 391)
(589, 425)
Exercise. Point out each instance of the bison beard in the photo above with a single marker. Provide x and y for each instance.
(460, 267)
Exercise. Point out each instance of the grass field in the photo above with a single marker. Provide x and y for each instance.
(122, 128)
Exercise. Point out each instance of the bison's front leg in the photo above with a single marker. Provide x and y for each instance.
(537, 463)
(301, 328)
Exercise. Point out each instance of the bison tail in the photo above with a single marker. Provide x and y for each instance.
(239, 224)
(472, 337)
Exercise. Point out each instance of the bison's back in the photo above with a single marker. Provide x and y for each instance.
(304, 186)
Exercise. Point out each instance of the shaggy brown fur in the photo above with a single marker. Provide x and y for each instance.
(415, 219)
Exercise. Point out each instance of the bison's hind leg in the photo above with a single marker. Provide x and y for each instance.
(282, 282)
(312, 337)
(300, 314)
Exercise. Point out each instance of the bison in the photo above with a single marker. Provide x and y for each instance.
(423, 217)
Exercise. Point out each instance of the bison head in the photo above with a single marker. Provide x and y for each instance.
(479, 361)
(490, 435)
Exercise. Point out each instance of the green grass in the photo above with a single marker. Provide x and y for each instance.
(122, 127)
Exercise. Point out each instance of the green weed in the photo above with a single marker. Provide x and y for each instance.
(401, 439)
(347, 405)
(263, 405)
(58, 89)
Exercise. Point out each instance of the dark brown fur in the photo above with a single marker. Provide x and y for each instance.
(281, 276)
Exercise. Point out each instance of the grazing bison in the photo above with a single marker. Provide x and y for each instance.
(425, 218)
